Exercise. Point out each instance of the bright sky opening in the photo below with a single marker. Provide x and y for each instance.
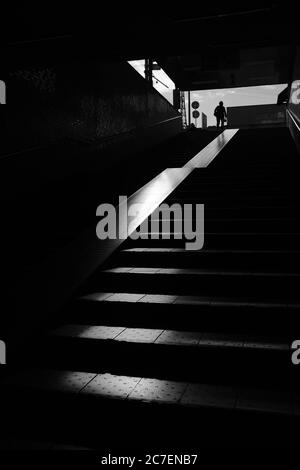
(245, 96)
(161, 81)
(209, 99)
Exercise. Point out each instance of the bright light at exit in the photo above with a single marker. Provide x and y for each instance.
(161, 81)
(244, 96)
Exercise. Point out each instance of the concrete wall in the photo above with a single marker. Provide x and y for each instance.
(74, 124)
(81, 101)
(256, 116)
(72, 135)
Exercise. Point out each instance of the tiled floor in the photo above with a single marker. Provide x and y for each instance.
(266, 344)
(51, 380)
(209, 395)
(220, 340)
(199, 272)
(144, 270)
(160, 391)
(187, 300)
(111, 386)
(264, 400)
(125, 297)
(163, 336)
(140, 335)
(89, 332)
(179, 337)
(158, 299)
(98, 296)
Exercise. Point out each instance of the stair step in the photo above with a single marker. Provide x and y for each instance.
(172, 354)
(250, 225)
(132, 407)
(150, 390)
(225, 198)
(237, 314)
(249, 211)
(179, 257)
(14, 444)
(161, 340)
(219, 240)
(206, 282)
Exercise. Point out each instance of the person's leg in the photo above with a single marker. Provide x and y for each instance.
(218, 122)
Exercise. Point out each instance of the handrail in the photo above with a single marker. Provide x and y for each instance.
(132, 131)
(66, 272)
(164, 121)
(291, 114)
(91, 142)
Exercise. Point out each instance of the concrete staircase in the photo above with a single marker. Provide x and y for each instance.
(180, 348)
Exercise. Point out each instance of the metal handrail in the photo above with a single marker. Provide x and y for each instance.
(293, 117)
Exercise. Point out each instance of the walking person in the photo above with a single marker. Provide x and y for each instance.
(221, 115)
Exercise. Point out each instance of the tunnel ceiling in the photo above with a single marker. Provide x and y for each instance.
(225, 67)
(206, 47)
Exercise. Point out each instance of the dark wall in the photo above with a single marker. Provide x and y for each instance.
(78, 125)
(256, 115)
(72, 135)
(76, 101)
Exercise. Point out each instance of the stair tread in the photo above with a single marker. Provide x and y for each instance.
(196, 299)
(228, 350)
(222, 234)
(168, 337)
(193, 253)
(152, 390)
(195, 272)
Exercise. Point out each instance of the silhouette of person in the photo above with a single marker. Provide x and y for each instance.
(221, 115)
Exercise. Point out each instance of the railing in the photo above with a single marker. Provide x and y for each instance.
(294, 127)
(58, 276)
(293, 118)
(100, 141)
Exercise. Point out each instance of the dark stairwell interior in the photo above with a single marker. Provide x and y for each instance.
(154, 343)
(164, 335)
